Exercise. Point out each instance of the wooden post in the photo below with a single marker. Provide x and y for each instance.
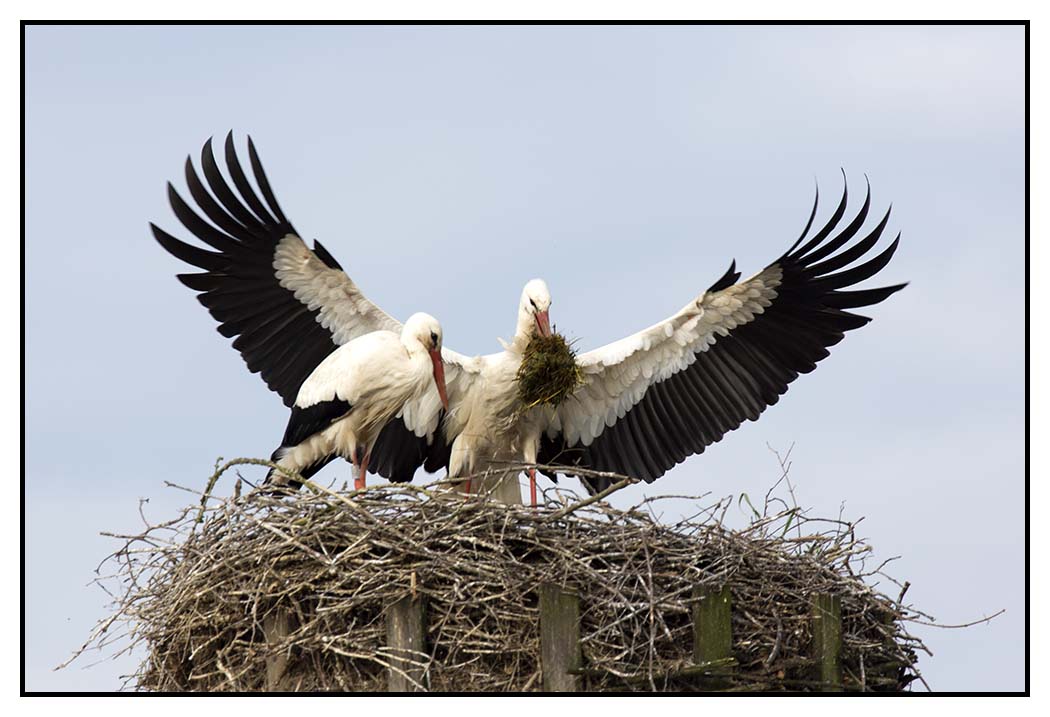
(712, 629)
(406, 642)
(277, 626)
(559, 639)
(826, 625)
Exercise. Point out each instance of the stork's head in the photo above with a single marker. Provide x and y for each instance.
(533, 312)
(423, 331)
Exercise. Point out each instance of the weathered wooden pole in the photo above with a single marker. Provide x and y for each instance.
(826, 649)
(406, 642)
(277, 626)
(559, 639)
(712, 629)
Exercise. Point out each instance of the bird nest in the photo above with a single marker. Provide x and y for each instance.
(263, 592)
(548, 372)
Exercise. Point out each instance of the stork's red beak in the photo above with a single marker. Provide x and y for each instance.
(543, 323)
(439, 376)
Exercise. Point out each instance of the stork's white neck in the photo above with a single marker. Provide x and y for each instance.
(525, 329)
(413, 345)
(535, 297)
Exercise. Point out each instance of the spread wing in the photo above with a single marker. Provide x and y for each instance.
(650, 400)
(285, 305)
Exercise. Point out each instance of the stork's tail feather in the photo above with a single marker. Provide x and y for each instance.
(278, 479)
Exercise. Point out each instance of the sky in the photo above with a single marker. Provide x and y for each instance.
(444, 167)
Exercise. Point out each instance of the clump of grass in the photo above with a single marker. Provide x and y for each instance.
(548, 371)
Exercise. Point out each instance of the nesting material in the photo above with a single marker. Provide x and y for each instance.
(548, 371)
(289, 594)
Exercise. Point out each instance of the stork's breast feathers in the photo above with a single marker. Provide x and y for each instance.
(421, 412)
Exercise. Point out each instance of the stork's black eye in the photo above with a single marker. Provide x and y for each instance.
(433, 338)
(533, 303)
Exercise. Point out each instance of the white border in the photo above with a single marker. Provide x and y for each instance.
(536, 9)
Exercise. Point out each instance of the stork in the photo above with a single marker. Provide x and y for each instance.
(646, 401)
(288, 307)
(345, 402)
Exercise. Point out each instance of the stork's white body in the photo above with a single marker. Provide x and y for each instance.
(378, 375)
(490, 428)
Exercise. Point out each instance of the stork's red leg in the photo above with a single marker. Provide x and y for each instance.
(467, 484)
(532, 485)
(359, 482)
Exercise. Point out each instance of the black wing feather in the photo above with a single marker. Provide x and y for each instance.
(306, 422)
(200, 258)
(215, 211)
(830, 247)
(224, 194)
(324, 256)
(398, 452)
(262, 181)
(829, 227)
(233, 164)
(731, 277)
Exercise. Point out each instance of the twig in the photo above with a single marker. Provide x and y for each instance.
(558, 514)
(955, 627)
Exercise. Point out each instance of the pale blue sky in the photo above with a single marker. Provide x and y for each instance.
(445, 166)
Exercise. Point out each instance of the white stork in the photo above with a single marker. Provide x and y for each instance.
(289, 307)
(352, 394)
(647, 401)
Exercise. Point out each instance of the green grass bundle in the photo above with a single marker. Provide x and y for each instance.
(548, 371)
